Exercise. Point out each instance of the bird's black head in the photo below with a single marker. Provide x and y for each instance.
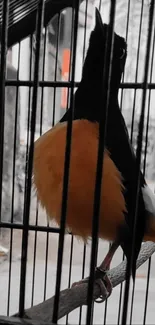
(89, 97)
(94, 61)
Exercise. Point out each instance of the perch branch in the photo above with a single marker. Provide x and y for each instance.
(73, 298)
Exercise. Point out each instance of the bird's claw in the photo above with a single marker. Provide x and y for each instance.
(103, 290)
(102, 279)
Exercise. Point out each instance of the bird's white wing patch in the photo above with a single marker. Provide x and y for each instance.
(149, 199)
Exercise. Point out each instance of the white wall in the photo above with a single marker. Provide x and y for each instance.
(23, 75)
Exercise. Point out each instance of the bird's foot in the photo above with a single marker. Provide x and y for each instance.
(102, 279)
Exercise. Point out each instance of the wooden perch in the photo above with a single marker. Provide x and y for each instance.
(73, 298)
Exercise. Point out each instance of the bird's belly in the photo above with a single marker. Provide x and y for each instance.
(80, 212)
(49, 156)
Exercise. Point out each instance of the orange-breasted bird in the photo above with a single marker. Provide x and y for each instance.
(119, 166)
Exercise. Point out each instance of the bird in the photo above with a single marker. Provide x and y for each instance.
(116, 218)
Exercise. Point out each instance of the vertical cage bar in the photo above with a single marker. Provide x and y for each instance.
(83, 57)
(66, 169)
(70, 267)
(13, 181)
(149, 100)
(133, 116)
(121, 101)
(147, 291)
(67, 45)
(37, 204)
(145, 154)
(34, 257)
(136, 72)
(28, 115)
(138, 157)
(100, 158)
(46, 43)
(85, 31)
(4, 39)
(56, 66)
(39, 24)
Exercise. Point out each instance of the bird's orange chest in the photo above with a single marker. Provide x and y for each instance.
(49, 159)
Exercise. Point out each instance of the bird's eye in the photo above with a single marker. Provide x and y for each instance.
(122, 53)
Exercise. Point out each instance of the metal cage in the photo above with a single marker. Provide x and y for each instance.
(43, 46)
